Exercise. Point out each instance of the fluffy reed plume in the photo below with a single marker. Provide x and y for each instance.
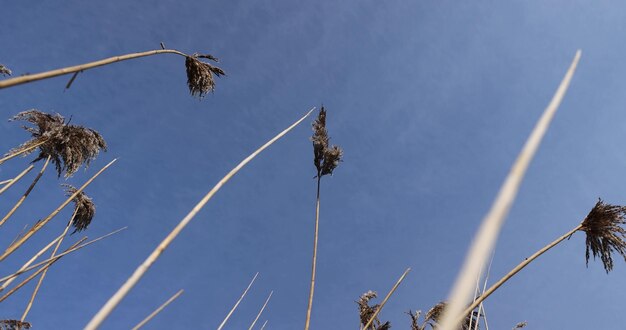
(366, 312)
(200, 74)
(4, 70)
(433, 317)
(604, 237)
(84, 208)
(604, 234)
(68, 146)
(415, 325)
(326, 159)
(14, 325)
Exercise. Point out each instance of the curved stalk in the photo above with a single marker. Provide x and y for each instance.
(81, 67)
(514, 271)
(104, 312)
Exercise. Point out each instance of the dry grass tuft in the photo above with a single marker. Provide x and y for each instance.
(84, 208)
(200, 74)
(415, 325)
(327, 157)
(69, 146)
(604, 234)
(433, 317)
(14, 325)
(4, 71)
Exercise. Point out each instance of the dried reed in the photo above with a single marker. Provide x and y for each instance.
(4, 71)
(158, 310)
(200, 74)
(77, 68)
(492, 223)
(232, 310)
(104, 312)
(16, 179)
(23, 198)
(604, 237)
(261, 311)
(325, 158)
(14, 325)
(20, 241)
(379, 308)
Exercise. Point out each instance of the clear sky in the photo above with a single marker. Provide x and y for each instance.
(431, 102)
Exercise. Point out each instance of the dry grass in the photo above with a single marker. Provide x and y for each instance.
(604, 233)
(4, 71)
(200, 74)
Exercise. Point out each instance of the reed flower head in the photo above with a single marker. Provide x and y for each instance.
(433, 316)
(200, 74)
(415, 325)
(4, 71)
(14, 325)
(69, 146)
(326, 158)
(604, 233)
(84, 208)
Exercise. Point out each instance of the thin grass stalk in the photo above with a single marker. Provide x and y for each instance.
(43, 222)
(30, 188)
(492, 223)
(232, 310)
(481, 307)
(264, 324)
(78, 247)
(97, 320)
(261, 311)
(29, 262)
(12, 155)
(29, 278)
(514, 271)
(314, 259)
(158, 310)
(16, 179)
(382, 304)
(43, 274)
(76, 68)
(5, 181)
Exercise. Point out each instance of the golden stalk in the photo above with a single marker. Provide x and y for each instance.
(15, 154)
(395, 286)
(21, 200)
(43, 222)
(232, 310)
(158, 310)
(28, 279)
(17, 178)
(307, 322)
(261, 311)
(78, 247)
(76, 68)
(492, 223)
(97, 320)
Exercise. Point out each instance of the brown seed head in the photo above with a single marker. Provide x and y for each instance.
(14, 325)
(604, 233)
(4, 70)
(200, 74)
(69, 146)
(433, 316)
(84, 208)
(415, 325)
(326, 158)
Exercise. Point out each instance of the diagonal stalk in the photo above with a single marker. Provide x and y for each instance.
(261, 311)
(97, 320)
(158, 310)
(514, 271)
(21, 200)
(28, 279)
(43, 275)
(19, 152)
(43, 222)
(314, 259)
(16, 179)
(490, 227)
(237, 303)
(27, 268)
(71, 69)
(386, 298)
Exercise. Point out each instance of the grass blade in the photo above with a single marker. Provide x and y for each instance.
(158, 310)
(237, 303)
(261, 311)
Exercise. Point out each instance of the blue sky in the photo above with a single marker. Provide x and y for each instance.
(431, 102)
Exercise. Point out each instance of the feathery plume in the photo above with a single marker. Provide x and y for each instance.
(326, 157)
(69, 146)
(84, 208)
(433, 317)
(200, 74)
(604, 234)
(415, 319)
(4, 70)
(14, 325)
(365, 310)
